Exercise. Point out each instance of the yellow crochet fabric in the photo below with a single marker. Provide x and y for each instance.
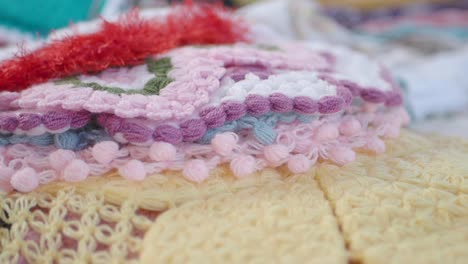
(409, 205)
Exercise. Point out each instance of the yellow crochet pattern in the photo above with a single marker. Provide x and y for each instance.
(409, 205)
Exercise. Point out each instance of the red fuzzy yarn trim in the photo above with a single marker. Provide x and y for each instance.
(126, 42)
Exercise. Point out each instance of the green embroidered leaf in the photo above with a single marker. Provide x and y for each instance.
(160, 68)
(268, 47)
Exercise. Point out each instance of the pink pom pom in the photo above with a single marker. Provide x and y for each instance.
(25, 180)
(162, 151)
(276, 154)
(60, 158)
(105, 152)
(342, 155)
(76, 171)
(196, 170)
(376, 144)
(370, 108)
(392, 131)
(326, 132)
(243, 166)
(133, 170)
(224, 143)
(350, 127)
(6, 173)
(5, 177)
(299, 164)
(404, 117)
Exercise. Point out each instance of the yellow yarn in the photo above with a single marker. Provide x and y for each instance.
(287, 220)
(409, 205)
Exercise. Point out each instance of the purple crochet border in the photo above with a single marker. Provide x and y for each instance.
(255, 105)
(210, 117)
(53, 120)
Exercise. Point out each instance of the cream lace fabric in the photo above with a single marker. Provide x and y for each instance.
(409, 205)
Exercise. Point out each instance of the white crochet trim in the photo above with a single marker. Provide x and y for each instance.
(291, 84)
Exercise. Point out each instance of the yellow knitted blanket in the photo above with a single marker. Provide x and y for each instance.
(409, 205)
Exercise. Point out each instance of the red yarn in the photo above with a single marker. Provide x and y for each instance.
(126, 42)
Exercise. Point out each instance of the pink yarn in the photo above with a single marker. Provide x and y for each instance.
(105, 152)
(196, 170)
(133, 170)
(60, 158)
(370, 107)
(76, 171)
(350, 127)
(25, 180)
(376, 145)
(224, 143)
(392, 127)
(243, 166)
(299, 164)
(6, 173)
(342, 155)
(326, 132)
(162, 151)
(5, 177)
(405, 118)
(275, 154)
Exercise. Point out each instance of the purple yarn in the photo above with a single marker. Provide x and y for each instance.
(330, 58)
(213, 116)
(56, 120)
(9, 124)
(135, 132)
(101, 119)
(237, 73)
(257, 105)
(394, 99)
(305, 105)
(168, 133)
(352, 87)
(280, 103)
(193, 130)
(373, 95)
(234, 110)
(329, 79)
(28, 121)
(80, 119)
(345, 94)
(112, 123)
(330, 104)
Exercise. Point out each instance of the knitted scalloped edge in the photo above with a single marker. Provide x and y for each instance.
(298, 145)
(190, 130)
(34, 124)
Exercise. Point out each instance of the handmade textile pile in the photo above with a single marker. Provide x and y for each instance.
(177, 139)
(189, 108)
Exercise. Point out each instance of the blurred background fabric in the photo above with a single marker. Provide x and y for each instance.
(423, 43)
